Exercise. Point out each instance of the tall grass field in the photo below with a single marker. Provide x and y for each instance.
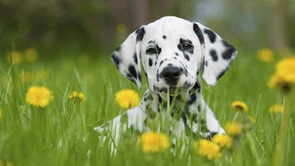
(61, 132)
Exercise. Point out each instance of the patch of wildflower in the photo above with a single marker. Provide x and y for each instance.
(38, 96)
(127, 98)
(223, 140)
(276, 109)
(8, 163)
(208, 149)
(233, 128)
(153, 142)
(239, 106)
(265, 54)
(31, 55)
(284, 76)
(15, 57)
(77, 96)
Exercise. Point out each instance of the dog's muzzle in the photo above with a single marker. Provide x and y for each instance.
(171, 75)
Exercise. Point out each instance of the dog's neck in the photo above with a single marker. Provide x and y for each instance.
(153, 103)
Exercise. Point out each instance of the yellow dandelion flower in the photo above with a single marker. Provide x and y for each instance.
(208, 149)
(284, 75)
(153, 142)
(233, 128)
(38, 96)
(265, 55)
(31, 55)
(9, 163)
(127, 98)
(75, 95)
(223, 140)
(240, 106)
(276, 109)
(15, 57)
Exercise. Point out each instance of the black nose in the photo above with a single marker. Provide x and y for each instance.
(171, 75)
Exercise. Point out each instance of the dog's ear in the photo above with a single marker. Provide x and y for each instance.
(218, 55)
(127, 57)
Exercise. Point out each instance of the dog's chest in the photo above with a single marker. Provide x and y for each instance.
(172, 116)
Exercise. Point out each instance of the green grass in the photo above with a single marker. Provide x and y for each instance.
(62, 133)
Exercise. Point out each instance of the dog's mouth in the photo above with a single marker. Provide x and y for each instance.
(172, 91)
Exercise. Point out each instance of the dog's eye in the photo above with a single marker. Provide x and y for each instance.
(187, 46)
(151, 50)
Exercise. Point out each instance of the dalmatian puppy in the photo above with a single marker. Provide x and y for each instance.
(172, 53)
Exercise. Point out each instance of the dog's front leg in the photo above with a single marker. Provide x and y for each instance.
(212, 123)
(114, 129)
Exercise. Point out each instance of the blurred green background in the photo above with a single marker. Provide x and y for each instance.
(96, 27)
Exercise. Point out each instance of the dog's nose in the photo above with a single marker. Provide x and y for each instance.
(171, 75)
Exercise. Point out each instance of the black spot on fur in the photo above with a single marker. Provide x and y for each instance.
(164, 37)
(135, 58)
(176, 54)
(197, 86)
(159, 50)
(213, 55)
(150, 62)
(118, 49)
(221, 74)
(160, 99)
(199, 33)
(139, 76)
(229, 51)
(140, 33)
(211, 135)
(145, 98)
(195, 117)
(185, 45)
(211, 35)
(184, 118)
(186, 83)
(158, 76)
(193, 96)
(116, 59)
(132, 71)
(192, 99)
(186, 56)
(206, 63)
(185, 72)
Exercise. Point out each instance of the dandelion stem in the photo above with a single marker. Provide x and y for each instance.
(235, 116)
(279, 151)
(253, 148)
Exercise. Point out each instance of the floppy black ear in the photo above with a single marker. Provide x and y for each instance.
(127, 57)
(218, 54)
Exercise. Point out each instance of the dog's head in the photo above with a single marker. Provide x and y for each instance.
(172, 52)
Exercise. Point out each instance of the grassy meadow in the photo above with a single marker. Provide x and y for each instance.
(61, 133)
